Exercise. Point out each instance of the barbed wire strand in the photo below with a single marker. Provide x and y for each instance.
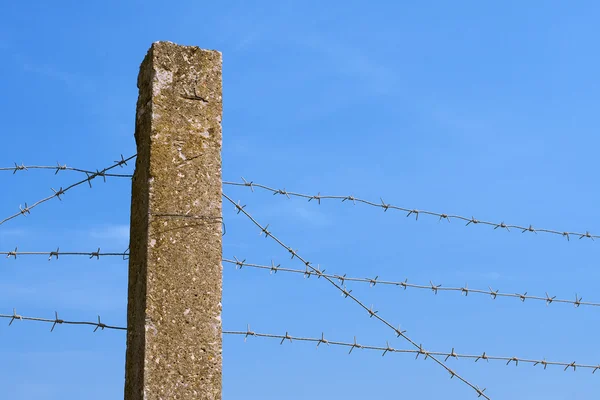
(415, 212)
(308, 273)
(347, 294)
(405, 284)
(59, 321)
(388, 349)
(57, 193)
(55, 254)
(59, 168)
(352, 345)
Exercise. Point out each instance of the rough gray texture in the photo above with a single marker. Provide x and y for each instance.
(174, 340)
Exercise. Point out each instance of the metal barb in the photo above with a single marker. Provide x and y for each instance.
(465, 290)
(239, 264)
(354, 345)
(286, 337)
(56, 321)
(249, 333)
(15, 316)
(249, 184)
(451, 354)
(514, 359)
(322, 340)
(54, 254)
(371, 312)
(472, 221)
(95, 254)
(58, 193)
(99, 325)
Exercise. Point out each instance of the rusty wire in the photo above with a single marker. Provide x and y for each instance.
(60, 167)
(413, 211)
(420, 351)
(465, 290)
(347, 294)
(59, 321)
(57, 193)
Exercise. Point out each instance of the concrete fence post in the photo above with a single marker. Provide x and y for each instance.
(174, 339)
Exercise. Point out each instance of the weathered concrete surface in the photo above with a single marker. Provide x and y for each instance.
(175, 275)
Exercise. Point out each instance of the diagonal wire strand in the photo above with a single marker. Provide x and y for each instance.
(388, 349)
(57, 193)
(405, 284)
(347, 294)
(413, 211)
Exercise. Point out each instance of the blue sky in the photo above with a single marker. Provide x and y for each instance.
(484, 110)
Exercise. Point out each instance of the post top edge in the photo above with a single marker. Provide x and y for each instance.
(161, 43)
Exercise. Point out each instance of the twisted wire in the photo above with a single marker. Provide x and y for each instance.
(348, 294)
(413, 211)
(465, 290)
(57, 193)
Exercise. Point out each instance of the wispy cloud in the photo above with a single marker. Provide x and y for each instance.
(481, 276)
(63, 296)
(373, 75)
(247, 40)
(8, 236)
(299, 212)
(493, 275)
(13, 232)
(74, 82)
(117, 234)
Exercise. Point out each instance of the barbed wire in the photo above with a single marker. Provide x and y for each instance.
(347, 294)
(308, 273)
(405, 284)
(55, 254)
(60, 167)
(57, 193)
(352, 345)
(388, 349)
(59, 321)
(412, 211)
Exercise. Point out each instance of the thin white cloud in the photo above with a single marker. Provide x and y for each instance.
(492, 275)
(354, 63)
(13, 232)
(300, 212)
(73, 81)
(118, 234)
